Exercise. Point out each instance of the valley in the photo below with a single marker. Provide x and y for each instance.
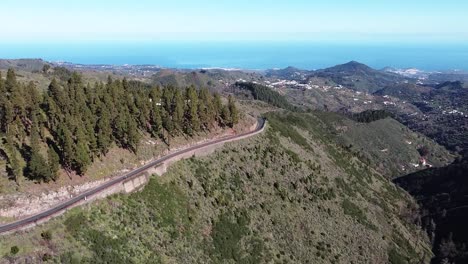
(334, 141)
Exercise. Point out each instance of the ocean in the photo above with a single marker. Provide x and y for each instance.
(247, 55)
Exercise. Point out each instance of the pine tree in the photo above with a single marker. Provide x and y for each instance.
(120, 127)
(192, 120)
(10, 82)
(6, 110)
(133, 137)
(168, 126)
(2, 87)
(225, 116)
(33, 98)
(38, 169)
(234, 113)
(81, 158)
(217, 108)
(92, 139)
(14, 162)
(53, 161)
(3, 100)
(167, 98)
(15, 94)
(57, 94)
(166, 113)
(104, 132)
(142, 109)
(205, 108)
(8, 116)
(14, 105)
(66, 146)
(178, 107)
(156, 120)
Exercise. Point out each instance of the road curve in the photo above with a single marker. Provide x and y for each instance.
(67, 204)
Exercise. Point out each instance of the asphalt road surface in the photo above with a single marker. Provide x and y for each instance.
(63, 206)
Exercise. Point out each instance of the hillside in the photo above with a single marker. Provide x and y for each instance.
(442, 193)
(22, 64)
(359, 77)
(215, 79)
(324, 206)
(405, 91)
(265, 94)
(442, 111)
(386, 144)
(288, 73)
(330, 172)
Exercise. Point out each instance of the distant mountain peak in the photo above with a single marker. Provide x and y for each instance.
(356, 65)
(353, 62)
(351, 67)
(359, 77)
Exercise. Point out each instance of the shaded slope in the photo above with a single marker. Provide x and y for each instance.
(443, 196)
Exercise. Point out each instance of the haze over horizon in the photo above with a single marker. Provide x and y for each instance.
(123, 20)
(239, 34)
(154, 131)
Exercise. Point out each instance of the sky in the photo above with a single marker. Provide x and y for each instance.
(189, 20)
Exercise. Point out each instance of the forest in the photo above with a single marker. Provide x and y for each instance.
(72, 123)
(263, 93)
(368, 116)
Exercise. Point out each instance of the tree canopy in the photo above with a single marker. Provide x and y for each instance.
(71, 124)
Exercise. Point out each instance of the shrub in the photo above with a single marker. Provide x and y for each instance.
(371, 116)
(74, 223)
(227, 235)
(396, 258)
(46, 235)
(46, 257)
(288, 131)
(14, 250)
(354, 211)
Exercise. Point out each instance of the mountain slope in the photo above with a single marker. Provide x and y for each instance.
(288, 195)
(23, 64)
(388, 145)
(405, 91)
(442, 194)
(359, 77)
(288, 73)
(211, 78)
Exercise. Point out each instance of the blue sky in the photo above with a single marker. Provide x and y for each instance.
(145, 20)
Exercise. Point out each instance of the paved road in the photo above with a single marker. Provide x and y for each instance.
(59, 208)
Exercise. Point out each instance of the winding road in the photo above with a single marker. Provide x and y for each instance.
(69, 203)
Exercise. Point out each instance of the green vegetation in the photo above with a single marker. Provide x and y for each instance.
(72, 124)
(354, 211)
(385, 144)
(47, 235)
(287, 131)
(395, 258)
(371, 116)
(264, 199)
(14, 250)
(310, 189)
(227, 235)
(263, 93)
